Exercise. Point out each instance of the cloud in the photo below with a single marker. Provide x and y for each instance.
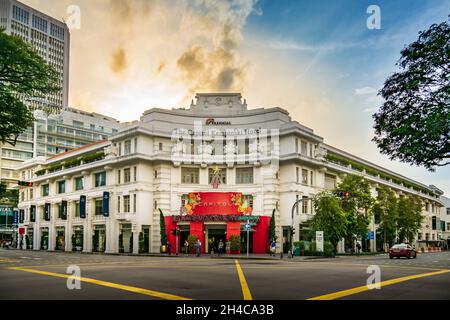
(118, 62)
(365, 91)
(213, 63)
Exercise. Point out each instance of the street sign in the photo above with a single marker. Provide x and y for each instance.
(319, 241)
(248, 226)
(370, 236)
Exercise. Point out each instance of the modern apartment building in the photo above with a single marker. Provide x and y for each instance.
(53, 134)
(214, 170)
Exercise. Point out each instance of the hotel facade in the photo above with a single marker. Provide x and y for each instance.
(213, 170)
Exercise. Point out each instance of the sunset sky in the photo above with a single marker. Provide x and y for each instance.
(317, 59)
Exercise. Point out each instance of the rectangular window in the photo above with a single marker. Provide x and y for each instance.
(31, 194)
(98, 207)
(296, 145)
(135, 174)
(61, 187)
(244, 175)
(433, 223)
(311, 180)
(22, 196)
(448, 226)
(120, 148)
(297, 197)
(118, 176)
(118, 204)
(190, 175)
(127, 147)
(304, 148)
(126, 204)
(330, 181)
(134, 203)
(135, 145)
(79, 183)
(184, 199)
(77, 209)
(160, 146)
(45, 190)
(221, 175)
(248, 198)
(448, 211)
(304, 205)
(419, 236)
(304, 176)
(100, 179)
(126, 175)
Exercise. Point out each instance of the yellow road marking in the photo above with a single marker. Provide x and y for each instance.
(245, 290)
(344, 293)
(106, 284)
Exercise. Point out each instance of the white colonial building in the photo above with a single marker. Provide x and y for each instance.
(108, 196)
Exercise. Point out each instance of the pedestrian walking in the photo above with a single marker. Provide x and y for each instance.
(168, 248)
(199, 247)
(273, 248)
(220, 251)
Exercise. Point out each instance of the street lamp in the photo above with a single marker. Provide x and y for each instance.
(295, 205)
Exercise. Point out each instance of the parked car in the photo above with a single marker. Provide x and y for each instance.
(402, 250)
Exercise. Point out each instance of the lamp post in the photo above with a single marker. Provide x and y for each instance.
(294, 206)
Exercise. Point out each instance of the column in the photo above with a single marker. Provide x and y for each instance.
(68, 231)
(136, 240)
(112, 238)
(51, 229)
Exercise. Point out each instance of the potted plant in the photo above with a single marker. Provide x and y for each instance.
(192, 240)
(235, 244)
(121, 250)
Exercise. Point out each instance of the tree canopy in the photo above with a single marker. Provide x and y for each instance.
(24, 75)
(329, 217)
(413, 124)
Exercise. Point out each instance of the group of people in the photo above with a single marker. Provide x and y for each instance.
(198, 248)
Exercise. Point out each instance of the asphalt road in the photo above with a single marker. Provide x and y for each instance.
(43, 276)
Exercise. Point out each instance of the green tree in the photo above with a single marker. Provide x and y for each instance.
(272, 230)
(162, 228)
(24, 75)
(356, 206)
(329, 217)
(413, 124)
(386, 214)
(409, 217)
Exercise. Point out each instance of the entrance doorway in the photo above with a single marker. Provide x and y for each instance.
(60, 239)
(215, 234)
(125, 239)
(99, 238)
(44, 239)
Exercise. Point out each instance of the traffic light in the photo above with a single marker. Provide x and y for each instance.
(24, 184)
(292, 231)
(344, 195)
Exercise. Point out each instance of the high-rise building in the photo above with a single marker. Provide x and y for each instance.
(63, 128)
(50, 37)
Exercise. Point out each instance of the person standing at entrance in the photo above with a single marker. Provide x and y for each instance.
(220, 251)
(186, 246)
(199, 247)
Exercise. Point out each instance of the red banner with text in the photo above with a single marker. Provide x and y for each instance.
(217, 203)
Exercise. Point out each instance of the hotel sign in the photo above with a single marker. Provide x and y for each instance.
(216, 218)
(213, 122)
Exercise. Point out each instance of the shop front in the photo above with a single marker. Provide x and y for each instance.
(215, 216)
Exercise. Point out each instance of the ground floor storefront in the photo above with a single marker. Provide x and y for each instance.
(214, 217)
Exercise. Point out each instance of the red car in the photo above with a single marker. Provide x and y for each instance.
(402, 250)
